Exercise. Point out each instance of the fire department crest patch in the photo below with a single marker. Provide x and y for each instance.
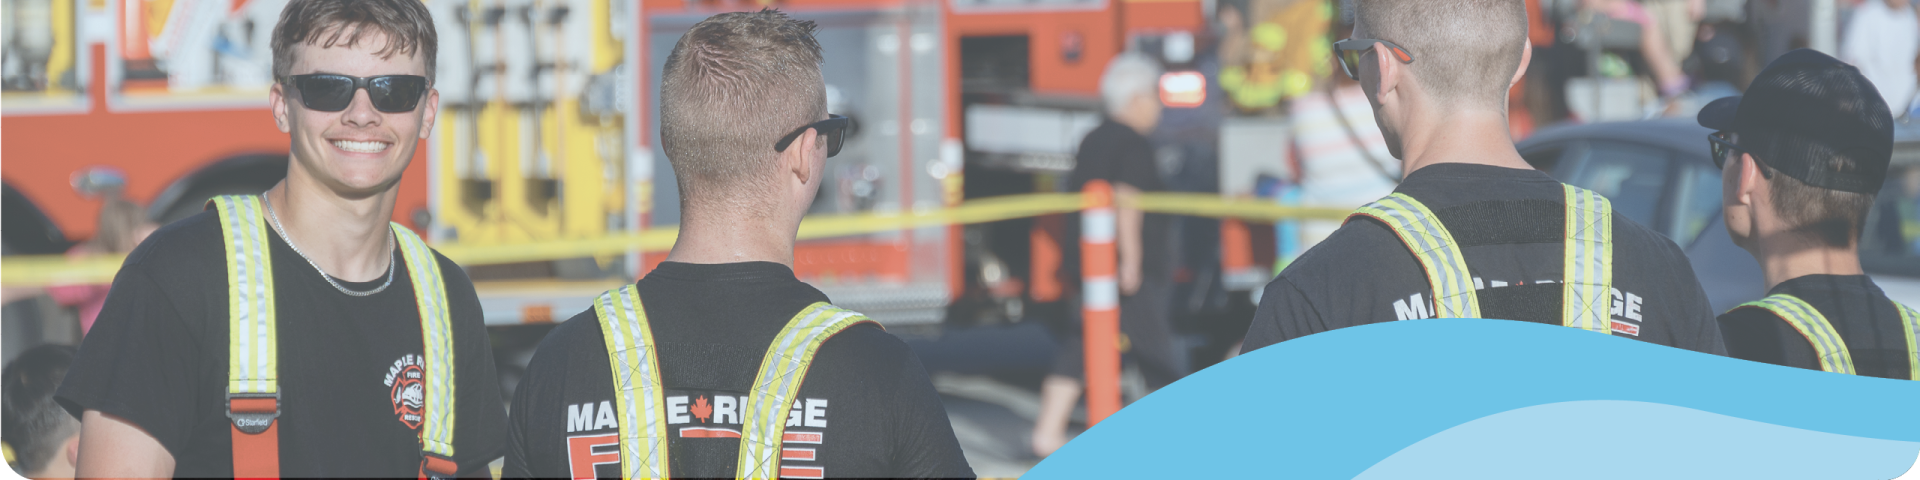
(407, 390)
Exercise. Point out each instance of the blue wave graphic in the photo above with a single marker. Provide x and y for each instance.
(1333, 404)
(1606, 439)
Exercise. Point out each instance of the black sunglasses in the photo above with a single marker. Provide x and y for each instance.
(834, 127)
(1723, 147)
(1351, 50)
(327, 92)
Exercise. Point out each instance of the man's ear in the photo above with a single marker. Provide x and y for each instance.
(277, 98)
(73, 450)
(798, 157)
(1389, 68)
(1750, 180)
(1526, 57)
(431, 112)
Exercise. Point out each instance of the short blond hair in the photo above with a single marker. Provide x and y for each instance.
(734, 84)
(1465, 52)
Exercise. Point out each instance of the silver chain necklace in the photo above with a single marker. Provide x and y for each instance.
(316, 266)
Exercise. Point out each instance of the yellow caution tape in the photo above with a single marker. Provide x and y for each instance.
(1212, 205)
(39, 270)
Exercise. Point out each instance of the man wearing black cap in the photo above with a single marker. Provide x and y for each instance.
(1802, 155)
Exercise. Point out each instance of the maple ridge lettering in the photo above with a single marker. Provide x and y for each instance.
(1625, 309)
(594, 433)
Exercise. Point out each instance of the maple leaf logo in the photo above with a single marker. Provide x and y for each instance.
(701, 410)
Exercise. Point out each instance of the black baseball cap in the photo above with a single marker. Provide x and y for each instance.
(1805, 108)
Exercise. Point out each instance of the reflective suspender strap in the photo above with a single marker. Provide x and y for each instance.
(1439, 255)
(639, 397)
(253, 389)
(638, 394)
(1588, 287)
(777, 385)
(1911, 319)
(1826, 342)
(436, 332)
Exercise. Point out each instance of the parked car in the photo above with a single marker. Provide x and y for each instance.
(1658, 173)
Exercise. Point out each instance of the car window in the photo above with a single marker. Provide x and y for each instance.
(1631, 176)
(1697, 201)
(1544, 157)
(1891, 243)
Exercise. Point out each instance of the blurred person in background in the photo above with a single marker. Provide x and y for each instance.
(1883, 40)
(1802, 155)
(1343, 160)
(121, 226)
(1657, 48)
(1473, 230)
(1118, 152)
(1896, 214)
(1778, 26)
(43, 439)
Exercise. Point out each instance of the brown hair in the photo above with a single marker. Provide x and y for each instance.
(118, 226)
(1834, 217)
(1464, 51)
(406, 24)
(734, 84)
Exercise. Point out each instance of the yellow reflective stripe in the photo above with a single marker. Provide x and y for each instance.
(765, 410)
(1911, 319)
(436, 330)
(778, 384)
(1433, 246)
(638, 393)
(252, 356)
(1827, 344)
(1587, 290)
(640, 397)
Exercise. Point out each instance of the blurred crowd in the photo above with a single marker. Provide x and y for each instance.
(1683, 53)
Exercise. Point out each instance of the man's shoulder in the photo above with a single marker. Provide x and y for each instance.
(866, 341)
(580, 330)
(1633, 241)
(454, 277)
(1744, 315)
(191, 240)
(1360, 240)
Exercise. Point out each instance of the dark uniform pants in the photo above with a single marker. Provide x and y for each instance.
(1149, 331)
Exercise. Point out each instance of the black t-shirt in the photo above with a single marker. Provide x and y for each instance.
(865, 409)
(1118, 154)
(1363, 274)
(157, 357)
(1866, 320)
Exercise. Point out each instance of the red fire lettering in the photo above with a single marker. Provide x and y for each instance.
(580, 456)
(802, 472)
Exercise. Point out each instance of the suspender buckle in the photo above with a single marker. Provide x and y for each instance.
(436, 466)
(252, 413)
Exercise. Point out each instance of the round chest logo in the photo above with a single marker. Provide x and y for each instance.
(407, 390)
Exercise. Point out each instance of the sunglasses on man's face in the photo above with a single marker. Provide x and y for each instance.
(834, 127)
(1724, 149)
(1351, 51)
(328, 92)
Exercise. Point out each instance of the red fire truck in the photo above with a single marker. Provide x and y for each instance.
(547, 130)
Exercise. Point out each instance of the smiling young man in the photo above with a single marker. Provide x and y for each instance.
(1473, 230)
(720, 363)
(299, 333)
